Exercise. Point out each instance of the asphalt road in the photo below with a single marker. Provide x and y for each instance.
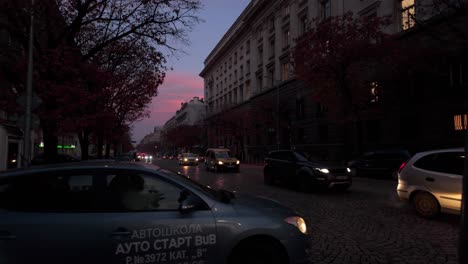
(367, 224)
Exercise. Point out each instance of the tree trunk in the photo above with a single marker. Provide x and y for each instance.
(49, 130)
(84, 144)
(100, 145)
(108, 148)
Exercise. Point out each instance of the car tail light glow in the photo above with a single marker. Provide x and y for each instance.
(402, 166)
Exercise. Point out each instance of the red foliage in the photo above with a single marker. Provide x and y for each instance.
(339, 58)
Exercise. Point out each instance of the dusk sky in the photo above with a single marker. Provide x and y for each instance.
(183, 83)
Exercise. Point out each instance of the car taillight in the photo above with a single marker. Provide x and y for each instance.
(402, 166)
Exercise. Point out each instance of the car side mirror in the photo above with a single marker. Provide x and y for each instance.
(188, 202)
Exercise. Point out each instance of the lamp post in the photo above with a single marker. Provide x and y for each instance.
(27, 127)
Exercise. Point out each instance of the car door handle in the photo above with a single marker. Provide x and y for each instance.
(121, 232)
(4, 235)
(429, 179)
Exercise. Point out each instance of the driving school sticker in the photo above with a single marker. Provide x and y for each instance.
(186, 244)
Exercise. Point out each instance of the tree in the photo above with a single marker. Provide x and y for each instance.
(96, 26)
(340, 58)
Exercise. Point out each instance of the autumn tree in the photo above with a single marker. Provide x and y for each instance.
(340, 58)
(93, 27)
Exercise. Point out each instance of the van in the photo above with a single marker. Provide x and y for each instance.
(221, 159)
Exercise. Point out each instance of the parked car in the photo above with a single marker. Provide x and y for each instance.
(92, 212)
(221, 159)
(298, 169)
(432, 181)
(188, 159)
(61, 158)
(379, 164)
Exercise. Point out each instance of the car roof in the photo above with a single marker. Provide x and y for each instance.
(92, 164)
(218, 149)
(440, 151)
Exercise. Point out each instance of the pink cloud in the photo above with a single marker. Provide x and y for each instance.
(178, 87)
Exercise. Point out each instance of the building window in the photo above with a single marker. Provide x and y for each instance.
(241, 71)
(285, 71)
(271, 23)
(271, 76)
(272, 48)
(286, 10)
(321, 110)
(407, 14)
(303, 24)
(260, 54)
(247, 66)
(259, 82)
(325, 8)
(300, 109)
(247, 47)
(241, 94)
(286, 37)
(460, 122)
(374, 91)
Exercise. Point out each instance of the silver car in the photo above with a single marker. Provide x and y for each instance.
(133, 213)
(432, 181)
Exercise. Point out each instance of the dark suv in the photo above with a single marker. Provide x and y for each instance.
(299, 170)
(379, 164)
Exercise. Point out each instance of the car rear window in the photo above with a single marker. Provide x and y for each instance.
(445, 162)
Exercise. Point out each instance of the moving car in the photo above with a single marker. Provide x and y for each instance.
(221, 159)
(432, 181)
(298, 169)
(114, 212)
(188, 159)
(379, 164)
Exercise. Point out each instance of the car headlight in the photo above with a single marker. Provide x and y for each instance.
(348, 170)
(146, 157)
(323, 170)
(196, 159)
(237, 162)
(297, 222)
(151, 157)
(185, 159)
(139, 157)
(220, 163)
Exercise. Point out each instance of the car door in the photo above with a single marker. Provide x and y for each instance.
(286, 166)
(48, 218)
(148, 226)
(442, 174)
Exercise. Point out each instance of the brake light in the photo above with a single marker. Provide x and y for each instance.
(402, 166)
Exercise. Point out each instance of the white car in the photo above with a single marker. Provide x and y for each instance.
(432, 181)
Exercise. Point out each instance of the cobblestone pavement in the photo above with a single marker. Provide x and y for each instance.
(366, 224)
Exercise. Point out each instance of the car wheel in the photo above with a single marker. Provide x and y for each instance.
(425, 204)
(261, 252)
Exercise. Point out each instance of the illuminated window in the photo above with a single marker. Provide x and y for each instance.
(407, 14)
(374, 90)
(460, 122)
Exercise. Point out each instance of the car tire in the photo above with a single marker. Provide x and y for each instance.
(425, 204)
(261, 252)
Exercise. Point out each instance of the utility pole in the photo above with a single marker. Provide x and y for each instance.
(277, 117)
(463, 241)
(27, 132)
